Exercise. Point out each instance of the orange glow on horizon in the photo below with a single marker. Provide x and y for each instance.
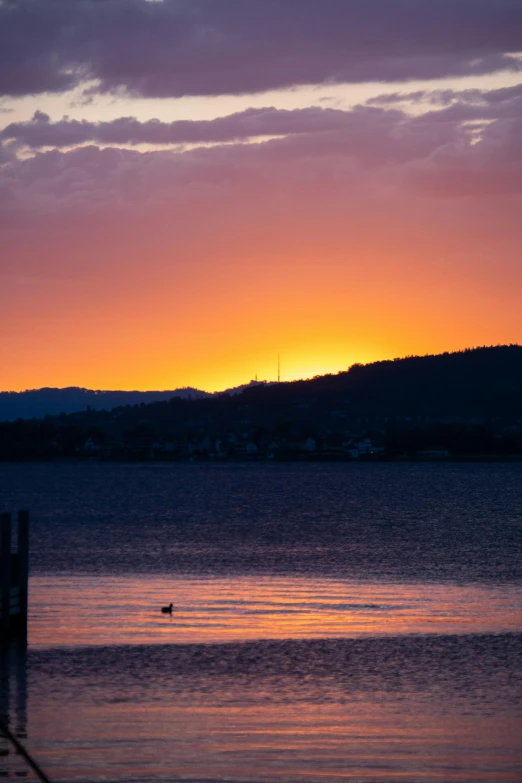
(165, 334)
(142, 308)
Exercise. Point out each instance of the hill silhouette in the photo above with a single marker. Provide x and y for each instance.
(37, 403)
(463, 403)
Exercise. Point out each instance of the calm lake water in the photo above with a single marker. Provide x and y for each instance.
(330, 622)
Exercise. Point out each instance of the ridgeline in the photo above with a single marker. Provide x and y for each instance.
(37, 403)
(454, 405)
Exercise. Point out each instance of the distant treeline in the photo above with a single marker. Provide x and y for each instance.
(464, 404)
(37, 403)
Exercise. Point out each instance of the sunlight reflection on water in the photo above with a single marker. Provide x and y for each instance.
(340, 622)
(415, 708)
(125, 610)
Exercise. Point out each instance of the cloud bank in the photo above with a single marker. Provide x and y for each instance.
(470, 145)
(176, 48)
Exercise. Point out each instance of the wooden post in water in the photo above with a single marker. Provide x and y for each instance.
(23, 572)
(5, 577)
(14, 580)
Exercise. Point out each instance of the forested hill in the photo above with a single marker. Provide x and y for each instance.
(477, 382)
(37, 403)
(469, 401)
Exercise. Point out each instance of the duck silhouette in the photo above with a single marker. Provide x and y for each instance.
(167, 609)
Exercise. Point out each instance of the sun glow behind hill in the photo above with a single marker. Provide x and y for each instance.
(148, 243)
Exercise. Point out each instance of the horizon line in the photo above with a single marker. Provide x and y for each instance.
(252, 381)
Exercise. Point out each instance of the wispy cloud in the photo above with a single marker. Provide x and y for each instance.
(249, 124)
(362, 122)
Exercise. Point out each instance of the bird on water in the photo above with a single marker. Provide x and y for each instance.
(167, 609)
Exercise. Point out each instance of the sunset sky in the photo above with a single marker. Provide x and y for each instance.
(190, 187)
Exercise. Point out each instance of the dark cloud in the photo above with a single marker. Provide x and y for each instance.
(205, 47)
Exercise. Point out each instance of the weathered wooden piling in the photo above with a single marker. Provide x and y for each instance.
(14, 580)
(5, 575)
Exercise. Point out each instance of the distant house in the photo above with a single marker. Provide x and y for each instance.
(90, 446)
(164, 448)
(362, 448)
(246, 449)
(202, 447)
